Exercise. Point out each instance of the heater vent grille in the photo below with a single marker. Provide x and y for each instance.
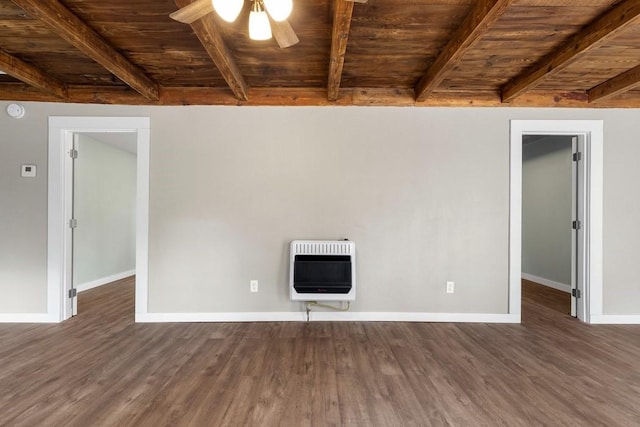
(323, 248)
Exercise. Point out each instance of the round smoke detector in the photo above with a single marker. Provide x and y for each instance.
(15, 110)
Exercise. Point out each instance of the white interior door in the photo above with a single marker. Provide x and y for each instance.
(73, 293)
(70, 300)
(73, 225)
(578, 227)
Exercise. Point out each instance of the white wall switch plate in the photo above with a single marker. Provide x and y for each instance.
(28, 171)
(450, 287)
(254, 286)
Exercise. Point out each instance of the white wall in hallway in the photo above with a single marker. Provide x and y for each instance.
(104, 205)
(546, 208)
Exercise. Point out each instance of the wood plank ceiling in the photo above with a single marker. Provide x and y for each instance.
(572, 53)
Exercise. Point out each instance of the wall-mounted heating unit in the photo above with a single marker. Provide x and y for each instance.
(322, 270)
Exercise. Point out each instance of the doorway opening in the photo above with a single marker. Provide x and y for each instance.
(551, 191)
(63, 137)
(103, 209)
(585, 223)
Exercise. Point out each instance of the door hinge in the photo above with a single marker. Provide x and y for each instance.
(576, 225)
(73, 153)
(73, 292)
(73, 223)
(575, 292)
(577, 156)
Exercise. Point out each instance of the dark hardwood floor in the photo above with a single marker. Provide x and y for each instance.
(101, 369)
(539, 297)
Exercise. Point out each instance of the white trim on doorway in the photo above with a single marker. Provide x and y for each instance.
(58, 263)
(594, 138)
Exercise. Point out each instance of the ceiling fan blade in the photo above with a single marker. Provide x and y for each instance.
(283, 33)
(192, 12)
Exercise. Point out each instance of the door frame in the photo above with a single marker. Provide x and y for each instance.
(60, 192)
(593, 133)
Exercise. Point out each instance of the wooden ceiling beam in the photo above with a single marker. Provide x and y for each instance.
(620, 84)
(342, 12)
(594, 35)
(315, 96)
(76, 32)
(474, 26)
(208, 34)
(31, 75)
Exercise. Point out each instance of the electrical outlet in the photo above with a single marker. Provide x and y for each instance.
(254, 286)
(450, 287)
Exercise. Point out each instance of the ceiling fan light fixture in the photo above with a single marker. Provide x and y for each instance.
(259, 28)
(228, 9)
(279, 10)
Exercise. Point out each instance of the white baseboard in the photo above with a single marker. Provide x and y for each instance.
(326, 316)
(615, 319)
(26, 318)
(104, 280)
(550, 283)
(414, 317)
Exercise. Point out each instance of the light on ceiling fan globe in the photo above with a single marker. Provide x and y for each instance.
(279, 10)
(228, 9)
(259, 28)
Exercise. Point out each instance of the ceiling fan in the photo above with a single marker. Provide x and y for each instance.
(266, 18)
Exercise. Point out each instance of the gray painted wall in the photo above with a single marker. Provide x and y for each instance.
(23, 216)
(105, 207)
(423, 192)
(546, 208)
(421, 207)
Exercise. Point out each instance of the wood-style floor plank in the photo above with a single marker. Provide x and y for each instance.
(102, 369)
